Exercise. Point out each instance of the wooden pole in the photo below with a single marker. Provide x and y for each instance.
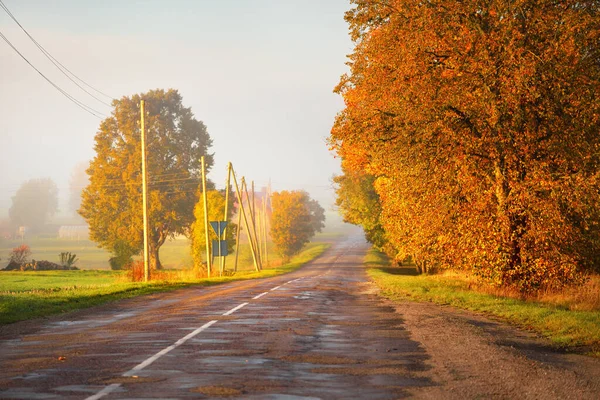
(144, 193)
(252, 248)
(251, 230)
(252, 238)
(237, 239)
(258, 238)
(265, 222)
(226, 213)
(206, 231)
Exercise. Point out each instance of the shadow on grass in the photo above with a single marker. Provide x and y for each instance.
(409, 271)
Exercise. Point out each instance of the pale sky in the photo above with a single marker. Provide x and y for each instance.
(258, 73)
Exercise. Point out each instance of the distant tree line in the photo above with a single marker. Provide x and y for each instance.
(470, 136)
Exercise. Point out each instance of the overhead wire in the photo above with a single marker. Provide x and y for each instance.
(80, 104)
(54, 61)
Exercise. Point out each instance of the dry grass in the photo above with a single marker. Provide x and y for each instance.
(577, 298)
(582, 298)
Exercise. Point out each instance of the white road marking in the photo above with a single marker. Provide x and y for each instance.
(109, 389)
(104, 392)
(234, 309)
(164, 351)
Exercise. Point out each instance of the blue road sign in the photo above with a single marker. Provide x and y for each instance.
(219, 248)
(218, 227)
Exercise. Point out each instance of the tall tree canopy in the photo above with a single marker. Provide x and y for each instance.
(294, 221)
(112, 202)
(35, 202)
(480, 123)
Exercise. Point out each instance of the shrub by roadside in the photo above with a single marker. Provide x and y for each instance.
(38, 266)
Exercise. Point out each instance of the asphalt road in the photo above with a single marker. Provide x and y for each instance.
(318, 333)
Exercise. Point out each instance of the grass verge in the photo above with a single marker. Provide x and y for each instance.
(567, 329)
(32, 294)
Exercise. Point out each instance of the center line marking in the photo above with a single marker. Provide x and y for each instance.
(234, 309)
(104, 392)
(164, 351)
(109, 389)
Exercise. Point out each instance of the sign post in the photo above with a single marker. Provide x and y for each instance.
(219, 246)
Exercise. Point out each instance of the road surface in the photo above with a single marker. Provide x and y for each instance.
(318, 333)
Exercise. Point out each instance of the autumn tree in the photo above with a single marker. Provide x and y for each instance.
(112, 202)
(36, 200)
(216, 210)
(479, 123)
(294, 221)
(359, 204)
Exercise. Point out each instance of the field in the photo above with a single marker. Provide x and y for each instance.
(174, 254)
(568, 322)
(30, 294)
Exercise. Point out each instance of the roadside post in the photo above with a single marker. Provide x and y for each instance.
(219, 246)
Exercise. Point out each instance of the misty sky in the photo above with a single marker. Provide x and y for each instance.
(258, 73)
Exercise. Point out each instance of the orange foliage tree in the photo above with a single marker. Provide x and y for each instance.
(479, 123)
(294, 221)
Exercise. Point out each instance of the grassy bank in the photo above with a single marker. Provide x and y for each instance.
(32, 294)
(566, 328)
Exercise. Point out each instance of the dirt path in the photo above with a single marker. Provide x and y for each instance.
(475, 357)
(318, 333)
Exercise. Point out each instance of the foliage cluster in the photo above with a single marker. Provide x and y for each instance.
(470, 136)
(20, 255)
(295, 219)
(112, 202)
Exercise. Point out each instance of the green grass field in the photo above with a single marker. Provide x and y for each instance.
(32, 294)
(173, 254)
(564, 327)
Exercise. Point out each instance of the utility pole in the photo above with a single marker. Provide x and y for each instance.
(226, 213)
(258, 244)
(144, 194)
(265, 222)
(253, 240)
(239, 195)
(206, 232)
(237, 238)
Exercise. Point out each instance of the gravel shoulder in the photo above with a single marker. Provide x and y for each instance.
(473, 356)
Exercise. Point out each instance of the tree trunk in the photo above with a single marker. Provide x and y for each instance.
(515, 221)
(157, 239)
(154, 258)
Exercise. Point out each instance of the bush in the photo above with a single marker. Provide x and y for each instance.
(135, 271)
(67, 259)
(123, 254)
(20, 255)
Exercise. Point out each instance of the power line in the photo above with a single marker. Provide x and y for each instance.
(81, 105)
(57, 63)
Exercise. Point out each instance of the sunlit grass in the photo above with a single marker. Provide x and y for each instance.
(174, 254)
(566, 328)
(32, 294)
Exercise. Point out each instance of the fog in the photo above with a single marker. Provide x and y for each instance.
(259, 74)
